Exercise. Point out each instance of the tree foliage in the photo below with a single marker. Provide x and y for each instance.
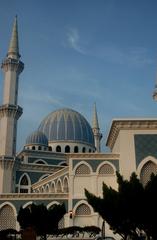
(131, 210)
(43, 220)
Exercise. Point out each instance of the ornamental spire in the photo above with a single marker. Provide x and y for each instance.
(95, 123)
(13, 51)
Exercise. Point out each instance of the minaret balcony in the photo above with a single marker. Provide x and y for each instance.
(13, 65)
(13, 111)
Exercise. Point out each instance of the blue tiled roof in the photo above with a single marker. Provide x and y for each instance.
(37, 137)
(67, 124)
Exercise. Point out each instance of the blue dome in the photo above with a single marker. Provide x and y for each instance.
(67, 125)
(38, 138)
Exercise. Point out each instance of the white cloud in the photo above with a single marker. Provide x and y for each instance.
(73, 40)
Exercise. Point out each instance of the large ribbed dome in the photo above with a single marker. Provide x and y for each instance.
(67, 125)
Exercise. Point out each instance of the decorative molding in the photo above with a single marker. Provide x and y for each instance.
(6, 162)
(95, 156)
(13, 65)
(50, 178)
(128, 124)
(34, 196)
(9, 110)
(39, 167)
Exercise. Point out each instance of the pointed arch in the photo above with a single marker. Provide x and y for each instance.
(65, 185)
(40, 161)
(50, 205)
(28, 204)
(59, 186)
(52, 187)
(82, 208)
(106, 168)
(7, 216)
(24, 183)
(82, 168)
(47, 188)
(43, 176)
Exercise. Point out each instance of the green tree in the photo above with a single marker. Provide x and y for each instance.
(43, 220)
(122, 209)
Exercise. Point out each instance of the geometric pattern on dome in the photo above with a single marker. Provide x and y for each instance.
(106, 169)
(146, 172)
(37, 137)
(67, 124)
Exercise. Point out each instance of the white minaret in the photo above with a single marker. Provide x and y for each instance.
(96, 130)
(9, 111)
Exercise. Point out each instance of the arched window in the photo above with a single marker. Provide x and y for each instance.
(76, 149)
(67, 149)
(7, 217)
(50, 148)
(58, 148)
(47, 188)
(90, 150)
(65, 185)
(40, 162)
(33, 147)
(106, 169)
(83, 209)
(39, 148)
(59, 187)
(146, 172)
(82, 169)
(52, 189)
(24, 184)
(83, 149)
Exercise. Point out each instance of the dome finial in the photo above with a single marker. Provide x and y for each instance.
(13, 51)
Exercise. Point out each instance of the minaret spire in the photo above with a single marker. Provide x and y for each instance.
(95, 123)
(13, 51)
(10, 111)
(96, 129)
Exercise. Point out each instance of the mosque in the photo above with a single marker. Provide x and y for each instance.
(63, 155)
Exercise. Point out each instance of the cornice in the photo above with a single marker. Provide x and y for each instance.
(41, 154)
(129, 124)
(38, 196)
(94, 156)
(39, 167)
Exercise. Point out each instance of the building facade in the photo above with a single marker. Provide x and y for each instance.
(63, 156)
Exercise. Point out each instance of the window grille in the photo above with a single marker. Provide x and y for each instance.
(146, 172)
(82, 169)
(83, 209)
(61, 223)
(106, 169)
(7, 218)
(24, 181)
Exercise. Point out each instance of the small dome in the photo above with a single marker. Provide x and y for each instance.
(37, 138)
(67, 125)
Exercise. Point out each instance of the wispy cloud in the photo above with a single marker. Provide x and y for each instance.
(73, 40)
(35, 95)
(131, 56)
(112, 53)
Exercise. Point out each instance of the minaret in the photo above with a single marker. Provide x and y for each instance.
(96, 130)
(155, 93)
(9, 111)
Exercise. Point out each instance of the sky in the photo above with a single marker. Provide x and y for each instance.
(80, 52)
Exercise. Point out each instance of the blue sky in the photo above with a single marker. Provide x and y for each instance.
(77, 52)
